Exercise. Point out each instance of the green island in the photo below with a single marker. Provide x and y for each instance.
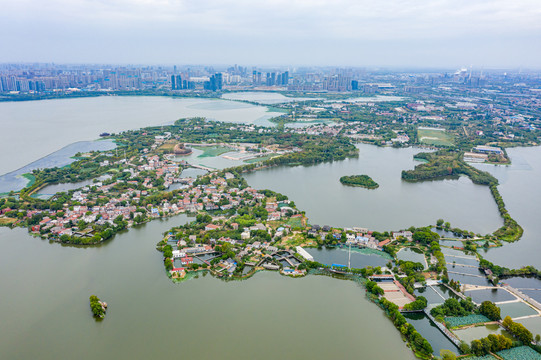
(364, 181)
(98, 307)
(238, 231)
(444, 164)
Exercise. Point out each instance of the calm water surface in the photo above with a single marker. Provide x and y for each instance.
(45, 312)
(521, 191)
(394, 205)
(33, 129)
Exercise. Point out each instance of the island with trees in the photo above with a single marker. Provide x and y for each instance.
(364, 181)
(98, 307)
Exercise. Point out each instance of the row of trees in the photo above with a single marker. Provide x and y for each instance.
(453, 307)
(511, 230)
(419, 304)
(446, 163)
(416, 340)
(373, 287)
(518, 330)
(491, 343)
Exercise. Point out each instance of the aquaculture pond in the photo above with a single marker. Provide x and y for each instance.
(494, 295)
(452, 243)
(435, 294)
(431, 332)
(528, 286)
(479, 332)
(516, 309)
(532, 323)
(470, 279)
(412, 254)
(359, 257)
(461, 260)
(454, 252)
(464, 269)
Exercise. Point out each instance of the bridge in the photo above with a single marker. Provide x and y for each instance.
(202, 167)
(459, 273)
(443, 329)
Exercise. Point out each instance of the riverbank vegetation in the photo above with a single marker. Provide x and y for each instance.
(418, 343)
(449, 164)
(359, 180)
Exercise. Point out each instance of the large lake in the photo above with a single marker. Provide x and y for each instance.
(45, 312)
(395, 205)
(33, 129)
(45, 287)
(521, 191)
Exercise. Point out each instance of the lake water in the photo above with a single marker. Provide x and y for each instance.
(519, 187)
(394, 205)
(45, 312)
(33, 129)
(262, 97)
(14, 181)
(45, 287)
(64, 187)
(369, 99)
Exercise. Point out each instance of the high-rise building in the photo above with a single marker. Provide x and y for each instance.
(215, 82)
(285, 78)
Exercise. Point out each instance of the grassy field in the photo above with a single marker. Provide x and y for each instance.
(295, 222)
(212, 151)
(258, 159)
(435, 137)
(6, 221)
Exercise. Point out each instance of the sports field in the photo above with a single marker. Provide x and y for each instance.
(435, 137)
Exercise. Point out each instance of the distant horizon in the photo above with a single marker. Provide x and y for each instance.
(396, 33)
(396, 68)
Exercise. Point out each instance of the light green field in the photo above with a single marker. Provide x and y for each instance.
(258, 159)
(435, 137)
(294, 222)
(212, 151)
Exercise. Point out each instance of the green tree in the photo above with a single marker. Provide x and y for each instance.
(447, 355)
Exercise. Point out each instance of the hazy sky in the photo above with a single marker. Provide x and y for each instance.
(436, 33)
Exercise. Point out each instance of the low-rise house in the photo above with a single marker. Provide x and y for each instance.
(211, 227)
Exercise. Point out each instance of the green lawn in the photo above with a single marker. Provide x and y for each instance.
(258, 159)
(295, 222)
(435, 137)
(212, 151)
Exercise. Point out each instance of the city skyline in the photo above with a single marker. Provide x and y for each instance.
(448, 34)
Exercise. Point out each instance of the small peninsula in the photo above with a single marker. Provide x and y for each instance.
(359, 180)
